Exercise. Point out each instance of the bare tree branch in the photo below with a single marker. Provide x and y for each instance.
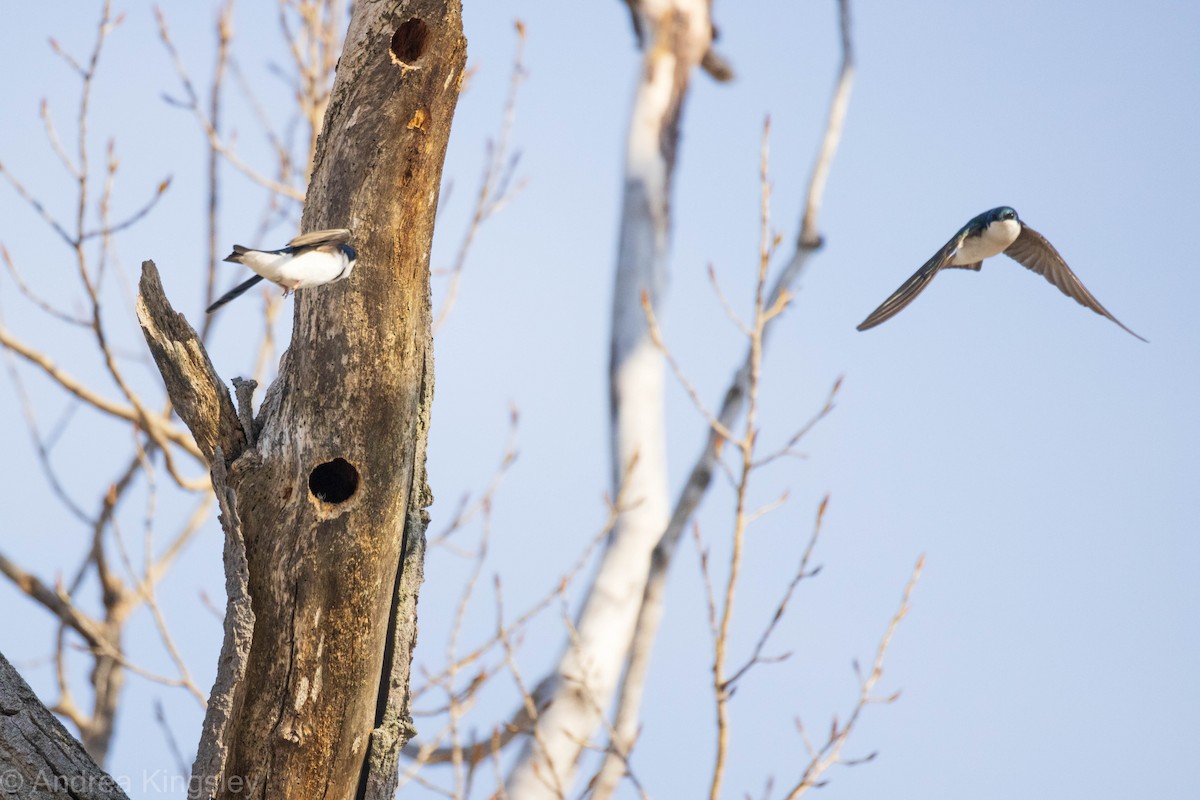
(156, 425)
(55, 602)
(676, 35)
(809, 241)
(495, 187)
(831, 752)
(207, 125)
(196, 391)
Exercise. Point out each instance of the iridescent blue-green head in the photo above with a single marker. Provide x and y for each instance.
(1001, 214)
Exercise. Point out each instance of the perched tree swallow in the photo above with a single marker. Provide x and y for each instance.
(991, 233)
(311, 259)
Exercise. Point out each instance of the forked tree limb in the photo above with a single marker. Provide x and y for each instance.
(675, 36)
(196, 390)
(330, 496)
(808, 242)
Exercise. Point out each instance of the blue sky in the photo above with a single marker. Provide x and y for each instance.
(1042, 460)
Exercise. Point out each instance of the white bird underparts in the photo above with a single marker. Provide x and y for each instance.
(991, 233)
(311, 259)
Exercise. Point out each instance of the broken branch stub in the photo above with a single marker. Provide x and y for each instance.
(330, 496)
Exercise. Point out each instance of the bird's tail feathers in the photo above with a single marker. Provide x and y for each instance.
(234, 292)
(236, 255)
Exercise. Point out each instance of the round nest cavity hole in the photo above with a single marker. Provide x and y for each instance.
(334, 481)
(409, 40)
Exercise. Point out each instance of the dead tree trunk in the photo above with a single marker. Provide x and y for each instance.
(326, 487)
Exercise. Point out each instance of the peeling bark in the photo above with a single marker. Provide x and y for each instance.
(212, 754)
(330, 494)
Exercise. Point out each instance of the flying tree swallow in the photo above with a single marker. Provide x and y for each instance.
(991, 233)
(311, 259)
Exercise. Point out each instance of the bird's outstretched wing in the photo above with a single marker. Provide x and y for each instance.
(1033, 251)
(232, 293)
(331, 236)
(914, 285)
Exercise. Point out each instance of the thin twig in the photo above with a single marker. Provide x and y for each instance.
(215, 94)
(717, 426)
(802, 572)
(520, 723)
(700, 477)
(831, 752)
(42, 446)
(495, 187)
(468, 510)
(722, 689)
(206, 125)
(160, 427)
(787, 448)
(530, 704)
(36, 299)
(55, 602)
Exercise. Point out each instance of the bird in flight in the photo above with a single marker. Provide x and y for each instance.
(991, 233)
(311, 259)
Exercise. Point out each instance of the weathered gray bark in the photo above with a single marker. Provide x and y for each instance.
(210, 768)
(38, 758)
(329, 487)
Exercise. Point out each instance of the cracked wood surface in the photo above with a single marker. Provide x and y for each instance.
(39, 759)
(196, 390)
(322, 708)
(325, 695)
